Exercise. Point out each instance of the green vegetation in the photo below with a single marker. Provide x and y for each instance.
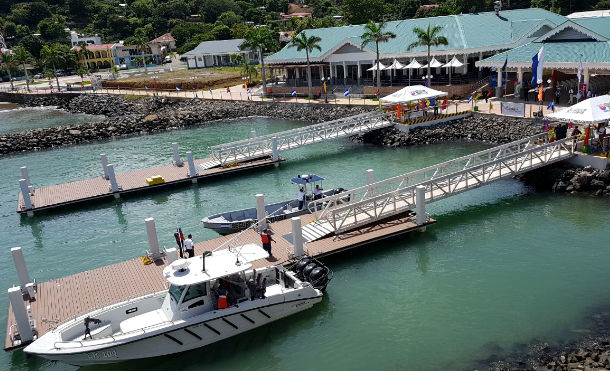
(302, 42)
(373, 32)
(428, 37)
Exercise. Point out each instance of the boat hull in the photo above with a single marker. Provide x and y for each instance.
(184, 338)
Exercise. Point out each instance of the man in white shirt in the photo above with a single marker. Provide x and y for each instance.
(317, 192)
(189, 246)
(571, 95)
(301, 198)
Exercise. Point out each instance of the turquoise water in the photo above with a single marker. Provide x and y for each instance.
(504, 264)
(19, 119)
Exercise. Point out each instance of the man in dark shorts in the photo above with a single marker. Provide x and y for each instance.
(266, 239)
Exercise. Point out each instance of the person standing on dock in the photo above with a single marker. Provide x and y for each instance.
(189, 247)
(301, 198)
(179, 240)
(266, 240)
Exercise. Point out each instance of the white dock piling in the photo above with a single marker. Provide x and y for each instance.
(21, 316)
(370, 176)
(31, 190)
(25, 192)
(25, 174)
(276, 155)
(171, 254)
(104, 160)
(297, 236)
(22, 271)
(420, 206)
(260, 210)
(177, 159)
(252, 133)
(153, 241)
(114, 186)
(192, 168)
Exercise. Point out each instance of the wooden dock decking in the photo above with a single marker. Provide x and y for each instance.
(64, 298)
(81, 191)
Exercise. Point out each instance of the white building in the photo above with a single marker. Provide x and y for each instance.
(217, 53)
(76, 39)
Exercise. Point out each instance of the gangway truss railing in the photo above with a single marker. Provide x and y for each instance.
(364, 205)
(266, 145)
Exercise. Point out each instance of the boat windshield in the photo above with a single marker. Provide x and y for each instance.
(176, 292)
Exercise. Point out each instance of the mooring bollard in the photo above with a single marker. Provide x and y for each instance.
(21, 316)
(260, 210)
(25, 174)
(192, 168)
(31, 190)
(153, 241)
(252, 133)
(420, 206)
(104, 160)
(22, 271)
(171, 254)
(177, 159)
(27, 200)
(114, 186)
(297, 236)
(276, 155)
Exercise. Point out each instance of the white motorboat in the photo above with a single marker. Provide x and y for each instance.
(210, 298)
(238, 220)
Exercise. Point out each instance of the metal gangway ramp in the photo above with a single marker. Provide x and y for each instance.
(270, 145)
(397, 195)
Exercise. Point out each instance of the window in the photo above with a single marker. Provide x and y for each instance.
(195, 291)
(176, 292)
(199, 59)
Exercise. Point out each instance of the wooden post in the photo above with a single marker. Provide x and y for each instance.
(192, 168)
(260, 210)
(22, 271)
(27, 200)
(153, 241)
(114, 186)
(420, 206)
(177, 159)
(21, 316)
(297, 236)
(104, 160)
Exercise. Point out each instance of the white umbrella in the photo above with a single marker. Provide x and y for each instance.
(377, 67)
(592, 110)
(433, 63)
(412, 66)
(396, 65)
(452, 63)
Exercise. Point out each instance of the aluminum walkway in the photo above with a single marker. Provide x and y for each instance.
(393, 196)
(270, 145)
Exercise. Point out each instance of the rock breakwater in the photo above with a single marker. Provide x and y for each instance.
(128, 117)
(562, 178)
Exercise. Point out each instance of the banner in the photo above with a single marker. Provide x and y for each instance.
(512, 109)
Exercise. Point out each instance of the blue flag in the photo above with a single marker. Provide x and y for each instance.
(177, 88)
(470, 98)
(505, 64)
(293, 93)
(346, 92)
(248, 91)
(537, 62)
(145, 87)
(210, 89)
(551, 105)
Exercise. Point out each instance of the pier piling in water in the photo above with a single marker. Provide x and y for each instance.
(260, 210)
(370, 176)
(22, 271)
(21, 316)
(192, 168)
(25, 174)
(177, 159)
(114, 186)
(276, 155)
(153, 240)
(252, 133)
(25, 192)
(104, 160)
(297, 236)
(420, 206)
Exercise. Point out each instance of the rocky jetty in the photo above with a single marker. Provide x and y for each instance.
(483, 128)
(136, 116)
(562, 178)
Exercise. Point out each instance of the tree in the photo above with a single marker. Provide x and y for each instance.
(82, 53)
(361, 11)
(249, 70)
(81, 72)
(142, 44)
(53, 55)
(9, 62)
(261, 40)
(373, 32)
(302, 42)
(229, 19)
(52, 29)
(428, 37)
(33, 44)
(23, 57)
(221, 32)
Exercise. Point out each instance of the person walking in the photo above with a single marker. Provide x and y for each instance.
(301, 198)
(266, 239)
(189, 247)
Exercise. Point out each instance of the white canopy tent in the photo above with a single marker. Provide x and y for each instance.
(589, 111)
(452, 63)
(377, 68)
(412, 66)
(412, 93)
(433, 64)
(396, 65)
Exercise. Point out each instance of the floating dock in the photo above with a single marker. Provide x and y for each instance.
(64, 298)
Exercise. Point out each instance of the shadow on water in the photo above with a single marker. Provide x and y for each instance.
(35, 223)
(118, 209)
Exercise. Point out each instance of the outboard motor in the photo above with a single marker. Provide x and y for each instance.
(318, 277)
(307, 270)
(298, 268)
(338, 190)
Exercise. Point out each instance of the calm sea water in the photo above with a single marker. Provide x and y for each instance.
(27, 118)
(504, 264)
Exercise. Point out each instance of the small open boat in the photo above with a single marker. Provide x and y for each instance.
(238, 220)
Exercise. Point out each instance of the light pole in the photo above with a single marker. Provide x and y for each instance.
(325, 89)
(425, 77)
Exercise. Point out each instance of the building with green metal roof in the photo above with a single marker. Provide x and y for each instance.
(471, 38)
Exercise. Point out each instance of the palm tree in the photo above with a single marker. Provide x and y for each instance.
(9, 62)
(142, 44)
(51, 56)
(309, 44)
(249, 70)
(82, 52)
(428, 37)
(373, 32)
(261, 40)
(22, 56)
(81, 72)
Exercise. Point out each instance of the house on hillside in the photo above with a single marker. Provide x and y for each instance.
(163, 44)
(76, 39)
(128, 55)
(98, 56)
(217, 53)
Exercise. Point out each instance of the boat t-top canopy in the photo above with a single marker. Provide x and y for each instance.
(412, 93)
(220, 264)
(589, 111)
(306, 179)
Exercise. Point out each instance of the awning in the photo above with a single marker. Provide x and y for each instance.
(396, 65)
(413, 65)
(412, 93)
(453, 63)
(433, 63)
(306, 178)
(374, 68)
(589, 111)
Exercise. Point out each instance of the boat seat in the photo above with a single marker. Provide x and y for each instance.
(101, 331)
(143, 320)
